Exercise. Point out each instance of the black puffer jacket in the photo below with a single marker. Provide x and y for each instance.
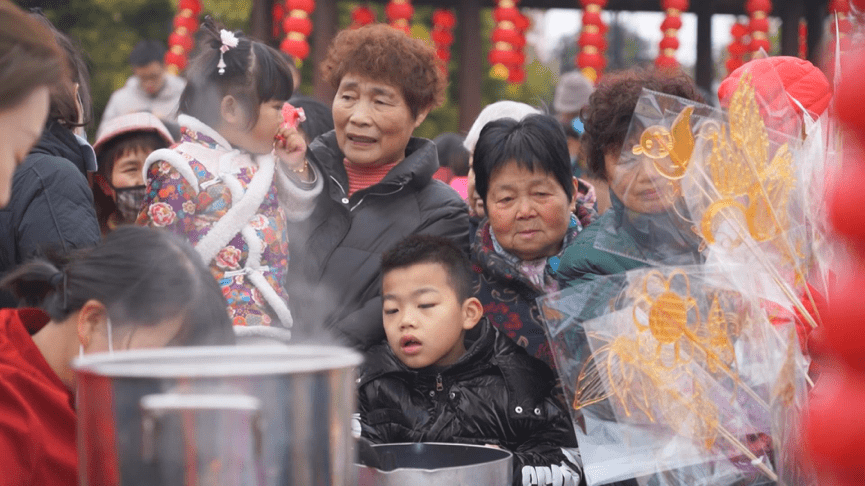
(495, 394)
(51, 206)
(334, 279)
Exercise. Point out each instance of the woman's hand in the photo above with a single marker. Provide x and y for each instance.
(290, 147)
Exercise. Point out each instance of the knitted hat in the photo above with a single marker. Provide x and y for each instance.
(572, 92)
(801, 80)
(133, 122)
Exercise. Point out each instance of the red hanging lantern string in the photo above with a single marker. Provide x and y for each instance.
(517, 75)
(442, 35)
(506, 57)
(759, 11)
(670, 28)
(739, 46)
(180, 42)
(361, 15)
(592, 41)
(803, 39)
(277, 15)
(297, 27)
(399, 13)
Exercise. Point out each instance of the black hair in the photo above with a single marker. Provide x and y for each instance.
(63, 98)
(115, 148)
(319, 117)
(147, 51)
(417, 249)
(254, 73)
(536, 143)
(143, 276)
(452, 153)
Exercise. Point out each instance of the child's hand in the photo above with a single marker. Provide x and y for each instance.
(290, 146)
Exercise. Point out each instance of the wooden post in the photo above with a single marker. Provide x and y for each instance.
(260, 21)
(815, 13)
(471, 62)
(325, 23)
(705, 68)
(790, 13)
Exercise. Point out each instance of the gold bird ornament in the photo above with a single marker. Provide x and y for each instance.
(677, 144)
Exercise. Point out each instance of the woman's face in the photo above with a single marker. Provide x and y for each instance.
(529, 212)
(638, 184)
(373, 123)
(20, 127)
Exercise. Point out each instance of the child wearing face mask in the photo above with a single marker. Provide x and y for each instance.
(446, 374)
(121, 147)
(238, 173)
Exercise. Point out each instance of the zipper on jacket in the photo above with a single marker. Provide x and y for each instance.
(375, 194)
(439, 385)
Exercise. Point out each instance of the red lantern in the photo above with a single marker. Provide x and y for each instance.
(184, 41)
(298, 24)
(516, 76)
(180, 42)
(759, 25)
(442, 34)
(177, 60)
(362, 15)
(297, 48)
(591, 41)
(188, 23)
(297, 27)
(508, 40)
(194, 7)
(399, 14)
(670, 28)
(835, 429)
(738, 47)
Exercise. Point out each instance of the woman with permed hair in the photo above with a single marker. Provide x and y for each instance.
(378, 181)
(638, 222)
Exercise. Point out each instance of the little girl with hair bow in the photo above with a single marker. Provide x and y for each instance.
(237, 175)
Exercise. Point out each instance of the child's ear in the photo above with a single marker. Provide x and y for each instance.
(91, 316)
(230, 110)
(473, 310)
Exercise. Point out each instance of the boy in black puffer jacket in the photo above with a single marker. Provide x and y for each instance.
(447, 375)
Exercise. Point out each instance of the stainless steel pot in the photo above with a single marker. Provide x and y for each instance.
(435, 464)
(233, 416)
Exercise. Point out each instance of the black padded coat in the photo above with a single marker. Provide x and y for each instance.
(334, 279)
(495, 394)
(51, 208)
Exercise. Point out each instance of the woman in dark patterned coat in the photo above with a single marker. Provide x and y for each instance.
(535, 208)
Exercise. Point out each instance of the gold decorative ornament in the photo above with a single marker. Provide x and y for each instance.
(677, 144)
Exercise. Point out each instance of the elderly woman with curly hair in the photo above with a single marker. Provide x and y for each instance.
(378, 185)
(637, 230)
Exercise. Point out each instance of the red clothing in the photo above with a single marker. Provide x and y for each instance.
(363, 176)
(37, 421)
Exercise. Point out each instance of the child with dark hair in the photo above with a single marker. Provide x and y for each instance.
(139, 288)
(237, 175)
(446, 375)
(151, 87)
(121, 149)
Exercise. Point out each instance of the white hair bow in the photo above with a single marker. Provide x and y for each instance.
(229, 40)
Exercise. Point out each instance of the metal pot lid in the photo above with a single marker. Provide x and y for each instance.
(218, 361)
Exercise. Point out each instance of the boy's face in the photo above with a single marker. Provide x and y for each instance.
(423, 318)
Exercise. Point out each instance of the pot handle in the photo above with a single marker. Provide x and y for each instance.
(155, 406)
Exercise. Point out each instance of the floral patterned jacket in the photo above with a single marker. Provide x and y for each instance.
(232, 207)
